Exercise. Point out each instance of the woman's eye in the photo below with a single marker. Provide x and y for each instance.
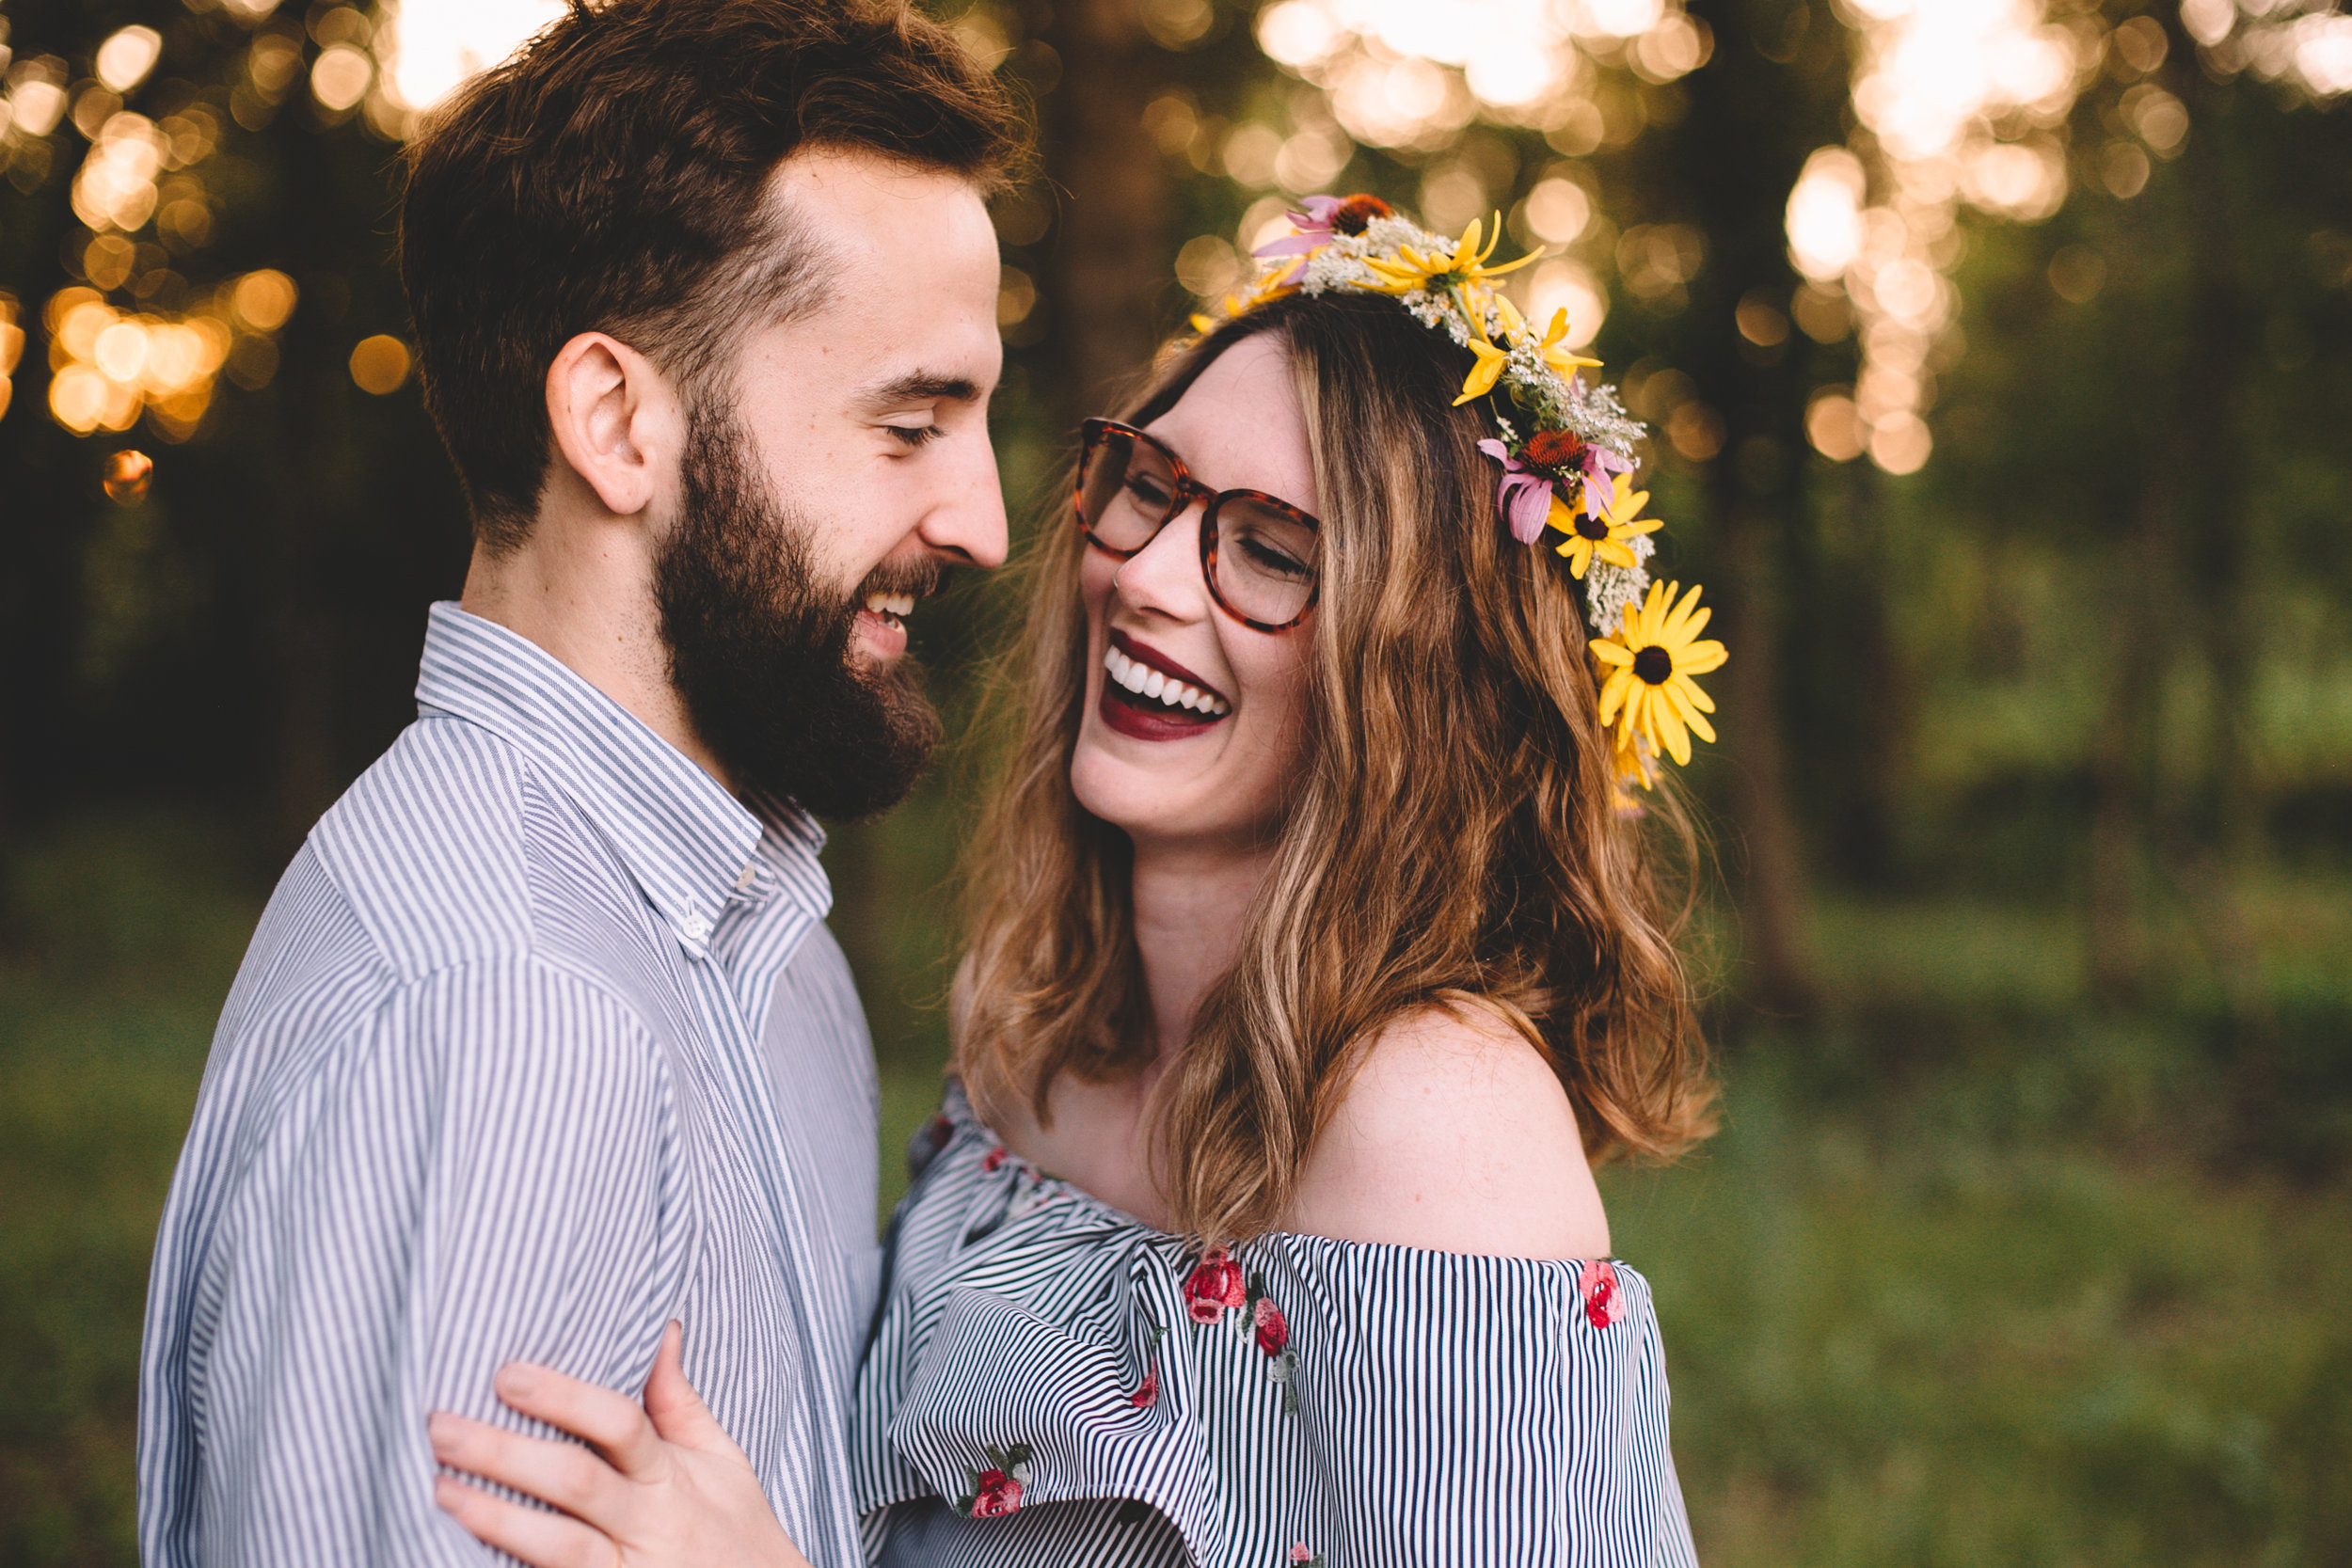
(916, 435)
(1266, 557)
(1148, 491)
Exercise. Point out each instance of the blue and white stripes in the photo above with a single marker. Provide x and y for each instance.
(540, 1042)
(1449, 1410)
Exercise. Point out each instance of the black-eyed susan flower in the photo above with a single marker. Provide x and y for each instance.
(1649, 690)
(1480, 379)
(1607, 535)
(1413, 268)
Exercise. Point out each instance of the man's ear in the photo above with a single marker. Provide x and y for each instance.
(617, 420)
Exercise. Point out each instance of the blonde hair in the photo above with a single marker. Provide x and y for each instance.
(1453, 840)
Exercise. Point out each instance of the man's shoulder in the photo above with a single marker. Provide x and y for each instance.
(427, 849)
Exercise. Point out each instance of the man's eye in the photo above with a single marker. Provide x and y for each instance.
(916, 435)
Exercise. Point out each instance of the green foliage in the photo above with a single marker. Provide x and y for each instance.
(127, 934)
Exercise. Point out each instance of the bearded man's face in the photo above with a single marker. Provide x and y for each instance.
(761, 649)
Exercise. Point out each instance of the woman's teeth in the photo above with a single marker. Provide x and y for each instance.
(1144, 681)
(893, 608)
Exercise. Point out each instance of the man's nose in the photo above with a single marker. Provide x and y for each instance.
(968, 522)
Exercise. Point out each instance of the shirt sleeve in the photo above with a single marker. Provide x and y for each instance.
(488, 1171)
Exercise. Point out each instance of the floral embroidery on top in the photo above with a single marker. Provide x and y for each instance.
(1148, 1393)
(993, 1158)
(1604, 1298)
(1306, 1556)
(1274, 1338)
(996, 1490)
(1213, 1286)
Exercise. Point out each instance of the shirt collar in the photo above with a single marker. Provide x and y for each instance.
(684, 839)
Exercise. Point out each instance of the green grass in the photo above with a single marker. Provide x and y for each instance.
(1971, 1275)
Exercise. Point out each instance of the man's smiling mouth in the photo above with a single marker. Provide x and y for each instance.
(890, 609)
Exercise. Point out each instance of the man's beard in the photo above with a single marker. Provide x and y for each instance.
(760, 650)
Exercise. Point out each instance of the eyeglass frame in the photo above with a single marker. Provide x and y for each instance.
(1187, 491)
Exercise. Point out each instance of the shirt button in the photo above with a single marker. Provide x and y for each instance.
(694, 928)
(750, 875)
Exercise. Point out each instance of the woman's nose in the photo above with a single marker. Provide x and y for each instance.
(1163, 576)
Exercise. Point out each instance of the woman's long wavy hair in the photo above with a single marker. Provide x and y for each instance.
(1453, 840)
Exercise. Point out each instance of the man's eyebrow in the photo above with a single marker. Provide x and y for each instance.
(921, 386)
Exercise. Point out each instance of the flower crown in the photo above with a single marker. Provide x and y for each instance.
(1566, 452)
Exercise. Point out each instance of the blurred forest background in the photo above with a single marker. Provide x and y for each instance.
(2000, 358)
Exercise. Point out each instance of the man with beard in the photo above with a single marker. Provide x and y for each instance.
(542, 1043)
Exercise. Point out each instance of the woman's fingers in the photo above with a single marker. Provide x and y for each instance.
(613, 1423)
(562, 1474)
(537, 1537)
(678, 1413)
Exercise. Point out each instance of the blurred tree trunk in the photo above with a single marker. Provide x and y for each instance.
(1738, 151)
(1110, 257)
(310, 483)
(2137, 823)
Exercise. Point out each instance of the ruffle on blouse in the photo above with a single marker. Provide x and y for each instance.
(1375, 1404)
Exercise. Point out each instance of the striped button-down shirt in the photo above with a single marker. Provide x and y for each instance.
(542, 1041)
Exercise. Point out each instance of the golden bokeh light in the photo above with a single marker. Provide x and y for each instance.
(127, 56)
(339, 76)
(1016, 296)
(78, 397)
(11, 349)
(111, 366)
(379, 365)
(127, 476)
(115, 188)
(1834, 426)
(36, 100)
(264, 299)
(429, 47)
(1558, 209)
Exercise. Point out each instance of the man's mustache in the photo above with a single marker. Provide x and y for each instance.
(923, 578)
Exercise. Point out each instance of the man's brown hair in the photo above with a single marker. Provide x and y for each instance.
(609, 178)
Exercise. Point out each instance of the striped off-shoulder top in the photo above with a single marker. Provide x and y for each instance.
(1050, 1382)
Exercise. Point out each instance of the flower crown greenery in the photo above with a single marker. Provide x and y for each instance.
(1566, 452)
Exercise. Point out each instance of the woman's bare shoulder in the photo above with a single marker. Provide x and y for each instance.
(1454, 1135)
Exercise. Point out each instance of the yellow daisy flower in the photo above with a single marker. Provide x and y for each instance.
(1609, 537)
(1465, 268)
(1565, 362)
(1652, 661)
(1480, 379)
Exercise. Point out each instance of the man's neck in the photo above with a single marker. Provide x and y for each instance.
(580, 587)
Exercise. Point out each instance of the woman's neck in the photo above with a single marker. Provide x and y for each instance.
(1190, 905)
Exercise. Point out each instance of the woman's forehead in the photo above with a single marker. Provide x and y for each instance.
(1239, 426)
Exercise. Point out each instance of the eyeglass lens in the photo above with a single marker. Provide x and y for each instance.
(1264, 566)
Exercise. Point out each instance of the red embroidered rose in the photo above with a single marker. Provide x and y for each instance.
(1273, 1333)
(993, 1158)
(1604, 1300)
(998, 1493)
(1306, 1556)
(1214, 1286)
(996, 1490)
(1148, 1395)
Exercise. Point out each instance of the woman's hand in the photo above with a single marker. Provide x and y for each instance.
(671, 1488)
